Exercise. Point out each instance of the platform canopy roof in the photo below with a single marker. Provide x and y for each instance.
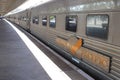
(8, 5)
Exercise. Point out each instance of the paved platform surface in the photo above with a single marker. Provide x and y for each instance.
(16, 61)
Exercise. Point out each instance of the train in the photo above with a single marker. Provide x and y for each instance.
(84, 31)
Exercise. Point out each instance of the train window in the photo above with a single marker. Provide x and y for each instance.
(97, 25)
(52, 22)
(44, 20)
(71, 23)
(24, 18)
(35, 20)
(19, 18)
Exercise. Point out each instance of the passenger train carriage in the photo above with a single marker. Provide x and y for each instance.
(86, 31)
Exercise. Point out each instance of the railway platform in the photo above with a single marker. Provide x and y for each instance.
(19, 62)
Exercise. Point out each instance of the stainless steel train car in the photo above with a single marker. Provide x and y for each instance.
(85, 31)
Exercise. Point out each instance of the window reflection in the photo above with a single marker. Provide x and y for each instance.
(44, 20)
(97, 25)
(97, 21)
(71, 23)
(35, 20)
(52, 21)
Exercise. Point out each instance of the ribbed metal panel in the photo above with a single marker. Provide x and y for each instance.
(114, 77)
(116, 60)
(116, 64)
(115, 73)
(115, 68)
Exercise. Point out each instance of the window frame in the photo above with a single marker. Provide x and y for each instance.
(55, 21)
(34, 18)
(46, 21)
(107, 28)
(67, 24)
